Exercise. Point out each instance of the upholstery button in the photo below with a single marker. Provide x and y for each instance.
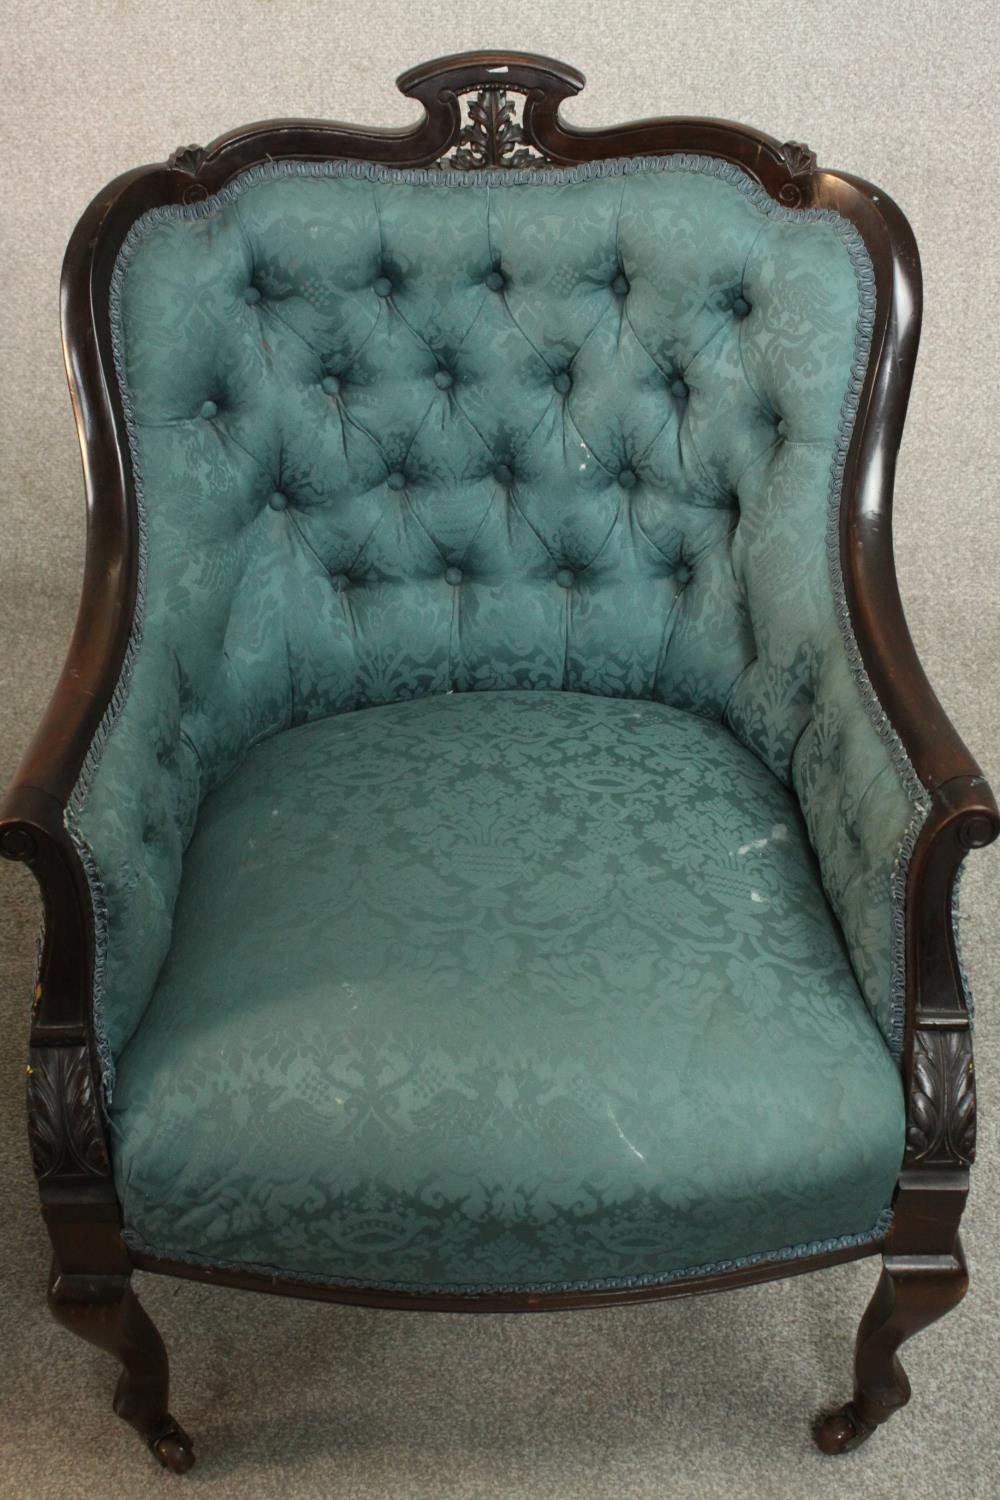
(209, 409)
(330, 384)
(627, 478)
(562, 382)
(782, 427)
(453, 575)
(682, 574)
(565, 578)
(338, 582)
(679, 388)
(382, 286)
(251, 295)
(620, 284)
(396, 480)
(503, 474)
(443, 379)
(495, 281)
(740, 307)
(277, 501)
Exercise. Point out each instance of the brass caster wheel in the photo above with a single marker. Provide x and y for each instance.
(174, 1449)
(841, 1430)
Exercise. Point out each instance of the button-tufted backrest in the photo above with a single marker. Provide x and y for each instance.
(404, 433)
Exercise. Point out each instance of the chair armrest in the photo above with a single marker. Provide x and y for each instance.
(932, 744)
(85, 689)
(33, 808)
(33, 826)
(962, 812)
(897, 818)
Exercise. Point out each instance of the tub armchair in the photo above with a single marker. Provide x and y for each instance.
(496, 840)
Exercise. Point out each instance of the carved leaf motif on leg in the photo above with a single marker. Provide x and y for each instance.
(64, 1125)
(942, 1123)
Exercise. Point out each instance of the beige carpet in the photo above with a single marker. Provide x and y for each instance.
(709, 1397)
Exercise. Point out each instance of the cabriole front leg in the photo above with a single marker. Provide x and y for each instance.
(105, 1311)
(913, 1292)
(924, 1272)
(90, 1289)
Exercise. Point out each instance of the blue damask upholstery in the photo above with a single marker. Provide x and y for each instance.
(503, 989)
(403, 434)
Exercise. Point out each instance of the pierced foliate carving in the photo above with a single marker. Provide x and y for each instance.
(494, 136)
(64, 1125)
(942, 1123)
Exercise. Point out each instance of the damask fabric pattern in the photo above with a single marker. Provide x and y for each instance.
(402, 433)
(503, 989)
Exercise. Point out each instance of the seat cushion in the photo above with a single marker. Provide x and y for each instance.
(506, 990)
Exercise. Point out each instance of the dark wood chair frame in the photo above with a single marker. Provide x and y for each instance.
(512, 104)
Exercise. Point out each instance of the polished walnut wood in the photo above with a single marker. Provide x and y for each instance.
(494, 109)
(912, 1293)
(105, 1311)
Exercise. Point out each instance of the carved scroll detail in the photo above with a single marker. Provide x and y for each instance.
(942, 1119)
(64, 1123)
(801, 164)
(190, 160)
(494, 136)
